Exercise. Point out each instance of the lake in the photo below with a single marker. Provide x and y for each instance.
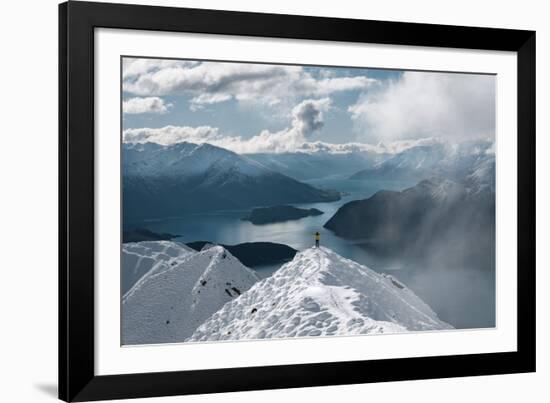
(461, 293)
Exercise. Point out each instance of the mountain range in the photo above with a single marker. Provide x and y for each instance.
(319, 164)
(440, 159)
(163, 181)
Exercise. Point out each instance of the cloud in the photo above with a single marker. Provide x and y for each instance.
(172, 134)
(266, 142)
(134, 67)
(307, 118)
(145, 105)
(393, 147)
(419, 104)
(214, 82)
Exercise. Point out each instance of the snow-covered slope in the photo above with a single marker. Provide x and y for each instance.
(454, 161)
(163, 181)
(483, 176)
(138, 258)
(186, 160)
(320, 293)
(171, 301)
(319, 164)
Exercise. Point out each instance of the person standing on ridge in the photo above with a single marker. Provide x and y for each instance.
(317, 239)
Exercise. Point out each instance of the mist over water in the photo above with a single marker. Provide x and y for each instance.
(458, 284)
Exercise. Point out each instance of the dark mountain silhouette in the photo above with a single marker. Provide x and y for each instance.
(142, 234)
(434, 213)
(254, 254)
(267, 215)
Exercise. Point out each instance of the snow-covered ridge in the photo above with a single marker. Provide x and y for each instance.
(139, 258)
(320, 293)
(440, 190)
(188, 159)
(169, 302)
(483, 176)
(436, 159)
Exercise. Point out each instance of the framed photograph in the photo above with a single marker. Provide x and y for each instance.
(257, 201)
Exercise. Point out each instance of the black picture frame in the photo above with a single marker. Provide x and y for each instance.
(77, 379)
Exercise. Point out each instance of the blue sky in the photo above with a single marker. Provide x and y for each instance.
(275, 108)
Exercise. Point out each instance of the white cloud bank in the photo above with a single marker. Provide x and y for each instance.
(307, 119)
(215, 82)
(145, 105)
(453, 107)
(172, 135)
(132, 67)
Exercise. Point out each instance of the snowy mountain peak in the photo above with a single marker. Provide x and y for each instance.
(453, 160)
(440, 189)
(186, 159)
(169, 303)
(320, 293)
(163, 181)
